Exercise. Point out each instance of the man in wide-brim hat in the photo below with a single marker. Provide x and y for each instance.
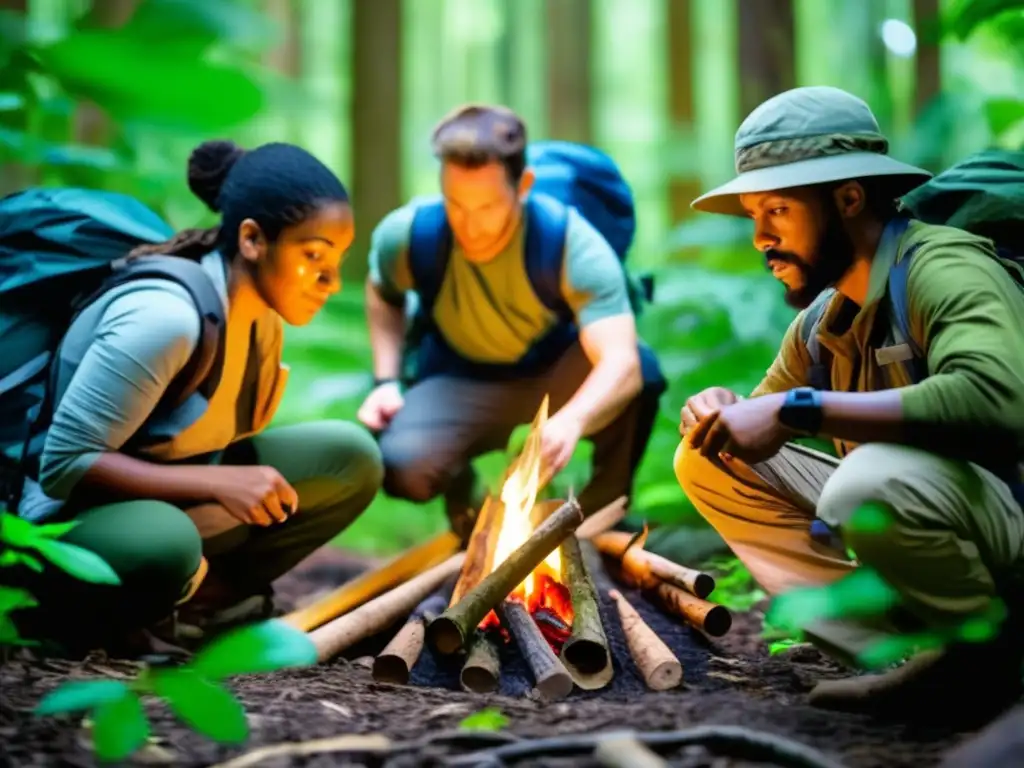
(908, 347)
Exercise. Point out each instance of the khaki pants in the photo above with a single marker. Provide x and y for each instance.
(956, 531)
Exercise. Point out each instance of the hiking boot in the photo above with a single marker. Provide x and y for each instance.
(963, 683)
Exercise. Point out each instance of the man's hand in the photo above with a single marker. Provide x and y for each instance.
(558, 439)
(748, 430)
(704, 404)
(381, 405)
(254, 495)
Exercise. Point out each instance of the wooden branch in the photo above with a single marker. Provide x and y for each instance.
(376, 582)
(648, 570)
(585, 654)
(482, 671)
(706, 616)
(381, 612)
(395, 662)
(659, 667)
(603, 520)
(449, 632)
(480, 550)
(551, 679)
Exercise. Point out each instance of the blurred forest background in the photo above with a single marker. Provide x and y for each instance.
(115, 93)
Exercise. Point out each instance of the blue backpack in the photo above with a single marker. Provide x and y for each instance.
(567, 175)
(60, 249)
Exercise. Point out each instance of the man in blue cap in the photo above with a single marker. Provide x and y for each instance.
(907, 352)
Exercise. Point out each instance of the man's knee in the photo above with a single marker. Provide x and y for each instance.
(410, 471)
(692, 469)
(875, 487)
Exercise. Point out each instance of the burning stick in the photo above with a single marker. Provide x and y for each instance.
(660, 668)
(482, 671)
(381, 612)
(551, 679)
(449, 632)
(647, 569)
(374, 583)
(396, 661)
(709, 617)
(585, 654)
(480, 549)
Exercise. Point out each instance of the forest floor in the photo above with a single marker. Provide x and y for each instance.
(729, 681)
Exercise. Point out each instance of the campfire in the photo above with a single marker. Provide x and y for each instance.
(524, 584)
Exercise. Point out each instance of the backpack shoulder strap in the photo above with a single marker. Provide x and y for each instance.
(547, 222)
(818, 374)
(203, 370)
(430, 246)
(899, 310)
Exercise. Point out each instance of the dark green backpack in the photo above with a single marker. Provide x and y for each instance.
(60, 249)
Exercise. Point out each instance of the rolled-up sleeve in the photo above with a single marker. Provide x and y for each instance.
(389, 255)
(970, 314)
(144, 338)
(594, 283)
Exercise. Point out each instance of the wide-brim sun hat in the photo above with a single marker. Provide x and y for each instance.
(805, 136)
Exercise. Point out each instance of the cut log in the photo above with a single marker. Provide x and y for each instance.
(482, 671)
(658, 666)
(647, 569)
(551, 679)
(448, 633)
(585, 654)
(376, 582)
(395, 662)
(706, 616)
(381, 612)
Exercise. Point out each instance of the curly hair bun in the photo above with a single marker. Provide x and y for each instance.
(208, 167)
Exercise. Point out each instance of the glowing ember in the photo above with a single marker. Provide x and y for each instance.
(542, 591)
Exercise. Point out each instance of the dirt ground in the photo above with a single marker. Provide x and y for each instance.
(737, 684)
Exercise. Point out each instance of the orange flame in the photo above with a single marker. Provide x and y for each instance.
(542, 591)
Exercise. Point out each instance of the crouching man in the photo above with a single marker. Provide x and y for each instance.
(909, 354)
(518, 298)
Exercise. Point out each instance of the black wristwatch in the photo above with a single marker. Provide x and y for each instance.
(386, 380)
(801, 410)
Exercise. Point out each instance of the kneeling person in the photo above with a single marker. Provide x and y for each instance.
(491, 347)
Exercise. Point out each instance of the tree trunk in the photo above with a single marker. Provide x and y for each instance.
(13, 174)
(927, 68)
(570, 101)
(683, 186)
(766, 46)
(376, 118)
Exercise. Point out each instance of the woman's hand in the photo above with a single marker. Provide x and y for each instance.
(254, 495)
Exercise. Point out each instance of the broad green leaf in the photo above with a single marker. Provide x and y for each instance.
(195, 25)
(119, 727)
(489, 719)
(16, 531)
(1003, 114)
(12, 598)
(77, 561)
(81, 694)
(9, 634)
(871, 517)
(964, 16)
(12, 557)
(860, 593)
(204, 705)
(135, 82)
(263, 647)
(56, 530)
